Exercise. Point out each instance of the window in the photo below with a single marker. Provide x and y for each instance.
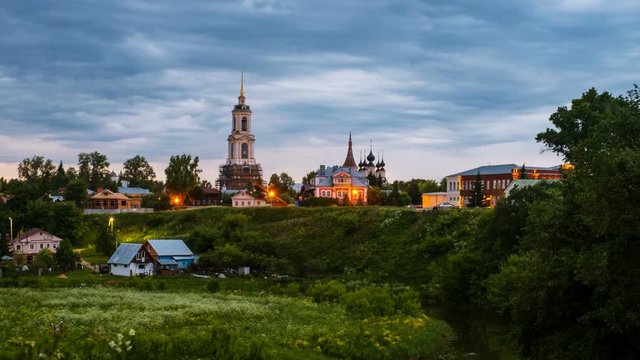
(242, 204)
(140, 256)
(54, 246)
(141, 266)
(244, 124)
(31, 246)
(245, 151)
(17, 247)
(236, 202)
(48, 245)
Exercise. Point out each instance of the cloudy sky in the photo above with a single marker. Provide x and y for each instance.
(440, 86)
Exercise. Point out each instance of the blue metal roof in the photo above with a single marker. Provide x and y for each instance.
(167, 262)
(170, 247)
(124, 253)
(133, 190)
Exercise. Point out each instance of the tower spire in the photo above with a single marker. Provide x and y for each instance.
(241, 97)
(350, 161)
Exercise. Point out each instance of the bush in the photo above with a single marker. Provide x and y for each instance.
(332, 291)
(213, 286)
(370, 301)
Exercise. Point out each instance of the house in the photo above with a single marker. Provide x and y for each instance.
(131, 260)
(494, 179)
(243, 199)
(169, 256)
(107, 201)
(34, 240)
(429, 200)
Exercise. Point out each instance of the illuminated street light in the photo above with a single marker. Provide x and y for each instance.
(272, 193)
(11, 226)
(111, 222)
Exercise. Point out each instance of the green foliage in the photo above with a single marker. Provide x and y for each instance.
(37, 214)
(156, 201)
(370, 301)
(66, 222)
(44, 259)
(477, 197)
(331, 291)
(76, 191)
(37, 172)
(93, 169)
(106, 241)
(213, 285)
(138, 172)
(65, 258)
(182, 175)
(316, 202)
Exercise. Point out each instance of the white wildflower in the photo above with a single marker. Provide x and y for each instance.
(120, 337)
(112, 344)
(132, 332)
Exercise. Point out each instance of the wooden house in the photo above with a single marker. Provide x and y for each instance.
(33, 241)
(169, 256)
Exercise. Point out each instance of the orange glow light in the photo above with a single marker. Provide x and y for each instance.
(272, 193)
(176, 200)
(354, 192)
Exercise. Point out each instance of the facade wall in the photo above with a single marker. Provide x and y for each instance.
(431, 200)
(453, 190)
(132, 269)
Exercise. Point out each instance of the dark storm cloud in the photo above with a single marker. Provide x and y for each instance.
(444, 78)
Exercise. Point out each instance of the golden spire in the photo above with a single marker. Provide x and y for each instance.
(242, 83)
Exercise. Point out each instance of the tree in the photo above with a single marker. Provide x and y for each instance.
(443, 184)
(413, 190)
(44, 259)
(93, 168)
(572, 288)
(60, 179)
(307, 178)
(66, 222)
(182, 176)
(138, 172)
(37, 214)
(523, 172)
(106, 241)
(76, 191)
(38, 172)
(65, 257)
(282, 184)
(477, 197)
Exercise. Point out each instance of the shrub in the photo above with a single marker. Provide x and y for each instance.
(332, 291)
(370, 301)
(213, 285)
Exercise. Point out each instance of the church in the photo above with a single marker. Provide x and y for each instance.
(348, 183)
(240, 171)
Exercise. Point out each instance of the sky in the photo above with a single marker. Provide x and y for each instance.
(439, 86)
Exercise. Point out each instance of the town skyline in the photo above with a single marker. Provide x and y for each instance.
(440, 87)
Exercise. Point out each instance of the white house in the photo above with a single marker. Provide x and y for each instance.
(242, 199)
(131, 260)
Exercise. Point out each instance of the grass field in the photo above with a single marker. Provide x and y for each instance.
(176, 323)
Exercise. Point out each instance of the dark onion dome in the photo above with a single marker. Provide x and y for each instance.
(382, 164)
(370, 157)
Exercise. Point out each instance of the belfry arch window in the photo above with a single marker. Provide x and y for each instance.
(244, 124)
(245, 151)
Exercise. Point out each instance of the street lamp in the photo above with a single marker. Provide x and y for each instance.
(111, 222)
(11, 227)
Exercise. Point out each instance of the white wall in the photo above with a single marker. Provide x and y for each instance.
(127, 270)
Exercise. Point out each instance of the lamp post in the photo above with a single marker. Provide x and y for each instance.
(11, 227)
(112, 221)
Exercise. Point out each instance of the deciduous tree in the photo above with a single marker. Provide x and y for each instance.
(93, 168)
(182, 176)
(138, 172)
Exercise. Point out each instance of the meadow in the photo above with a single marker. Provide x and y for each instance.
(103, 321)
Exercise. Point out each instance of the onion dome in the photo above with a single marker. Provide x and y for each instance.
(382, 164)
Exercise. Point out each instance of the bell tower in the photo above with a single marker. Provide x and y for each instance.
(241, 140)
(241, 168)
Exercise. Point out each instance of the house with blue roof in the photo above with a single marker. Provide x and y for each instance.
(169, 255)
(131, 260)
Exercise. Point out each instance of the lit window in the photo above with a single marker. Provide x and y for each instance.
(31, 246)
